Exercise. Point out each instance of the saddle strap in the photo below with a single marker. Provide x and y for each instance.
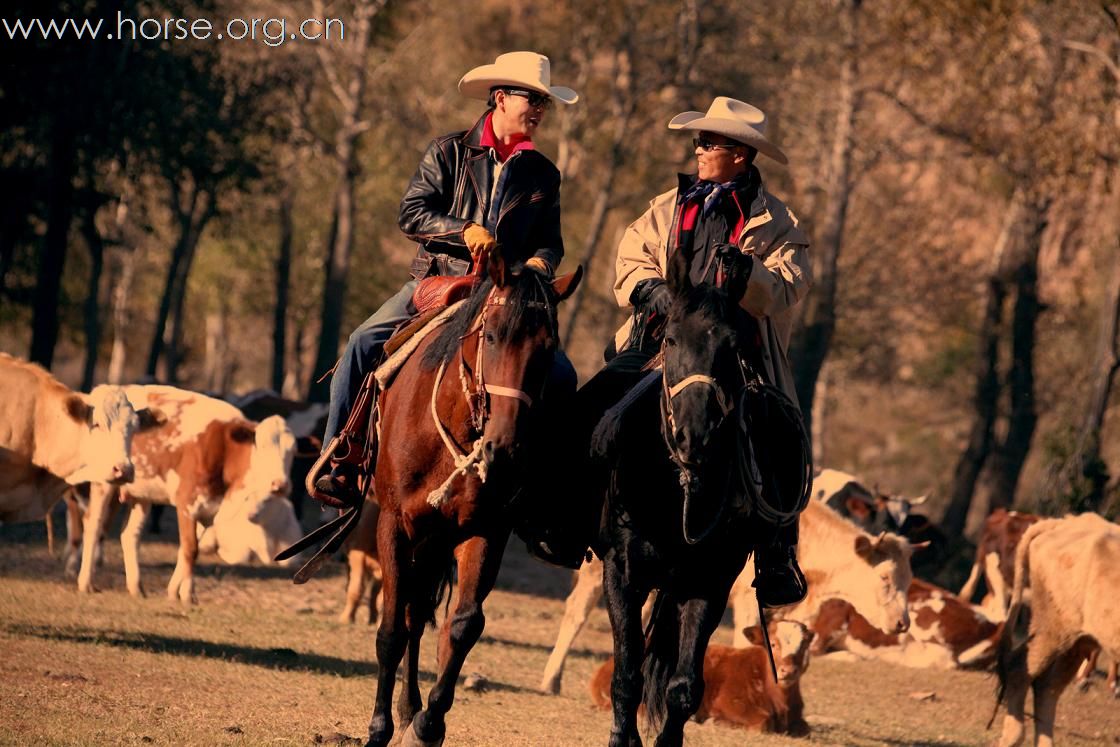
(341, 526)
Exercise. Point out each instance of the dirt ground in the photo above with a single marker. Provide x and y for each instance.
(263, 662)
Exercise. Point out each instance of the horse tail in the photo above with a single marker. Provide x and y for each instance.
(662, 649)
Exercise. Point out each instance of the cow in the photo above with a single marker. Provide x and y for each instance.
(874, 511)
(362, 565)
(52, 437)
(214, 466)
(945, 632)
(1064, 606)
(838, 559)
(995, 558)
(739, 687)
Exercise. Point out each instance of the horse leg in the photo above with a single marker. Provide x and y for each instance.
(698, 620)
(392, 635)
(478, 561)
(624, 603)
(586, 593)
(427, 576)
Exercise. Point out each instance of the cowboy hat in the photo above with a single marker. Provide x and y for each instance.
(518, 69)
(732, 118)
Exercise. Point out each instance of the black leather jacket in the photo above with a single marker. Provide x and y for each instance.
(452, 185)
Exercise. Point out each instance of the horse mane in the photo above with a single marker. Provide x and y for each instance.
(707, 300)
(526, 287)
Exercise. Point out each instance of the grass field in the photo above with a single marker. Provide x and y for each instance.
(263, 662)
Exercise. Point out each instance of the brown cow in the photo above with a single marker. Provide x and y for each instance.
(52, 437)
(739, 688)
(995, 557)
(945, 632)
(1064, 605)
(215, 467)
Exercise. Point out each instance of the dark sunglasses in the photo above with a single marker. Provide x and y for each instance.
(705, 144)
(536, 100)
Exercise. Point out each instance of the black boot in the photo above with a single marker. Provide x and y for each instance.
(340, 485)
(778, 580)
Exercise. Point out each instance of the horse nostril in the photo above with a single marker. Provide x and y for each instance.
(488, 451)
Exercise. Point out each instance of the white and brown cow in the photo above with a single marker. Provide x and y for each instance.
(995, 558)
(52, 437)
(945, 632)
(215, 467)
(1064, 605)
(739, 687)
(839, 561)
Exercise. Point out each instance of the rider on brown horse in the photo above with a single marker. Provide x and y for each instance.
(472, 191)
(723, 214)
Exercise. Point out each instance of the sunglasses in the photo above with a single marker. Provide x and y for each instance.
(706, 145)
(536, 100)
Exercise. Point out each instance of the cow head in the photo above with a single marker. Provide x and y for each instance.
(876, 580)
(107, 422)
(789, 642)
(237, 539)
(271, 448)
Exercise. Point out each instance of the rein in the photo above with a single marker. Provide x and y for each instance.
(477, 401)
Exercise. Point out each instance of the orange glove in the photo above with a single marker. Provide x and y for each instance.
(478, 239)
(539, 265)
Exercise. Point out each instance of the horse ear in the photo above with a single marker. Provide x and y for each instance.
(497, 268)
(677, 275)
(566, 285)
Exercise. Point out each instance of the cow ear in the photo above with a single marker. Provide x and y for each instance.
(78, 409)
(863, 546)
(243, 433)
(566, 285)
(754, 635)
(150, 417)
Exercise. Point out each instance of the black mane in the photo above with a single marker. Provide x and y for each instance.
(531, 303)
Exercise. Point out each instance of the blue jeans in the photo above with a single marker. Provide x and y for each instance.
(363, 354)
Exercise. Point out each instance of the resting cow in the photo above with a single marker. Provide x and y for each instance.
(739, 688)
(1064, 605)
(51, 437)
(995, 557)
(945, 632)
(839, 560)
(215, 467)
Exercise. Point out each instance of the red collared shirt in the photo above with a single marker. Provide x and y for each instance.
(502, 150)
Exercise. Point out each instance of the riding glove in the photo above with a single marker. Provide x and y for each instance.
(654, 295)
(478, 239)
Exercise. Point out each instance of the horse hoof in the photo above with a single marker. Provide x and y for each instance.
(409, 738)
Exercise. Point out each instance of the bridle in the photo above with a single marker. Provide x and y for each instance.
(688, 476)
(477, 391)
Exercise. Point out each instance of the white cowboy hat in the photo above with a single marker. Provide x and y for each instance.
(732, 118)
(516, 69)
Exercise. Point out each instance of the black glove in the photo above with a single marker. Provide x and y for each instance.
(736, 267)
(654, 295)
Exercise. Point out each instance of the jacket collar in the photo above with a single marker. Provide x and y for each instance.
(473, 137)
(758, 213)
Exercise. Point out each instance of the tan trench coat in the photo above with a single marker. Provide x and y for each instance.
(779, 279)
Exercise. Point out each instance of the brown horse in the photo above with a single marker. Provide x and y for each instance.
(453, 435)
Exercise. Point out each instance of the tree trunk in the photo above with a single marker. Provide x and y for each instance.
(810, 346)
(338, 251)
(93, 297)
(986, 392)
(1007, 460)
(283, 278)
(122, 291)
(44, 319)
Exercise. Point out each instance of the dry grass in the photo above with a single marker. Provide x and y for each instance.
(261, 662)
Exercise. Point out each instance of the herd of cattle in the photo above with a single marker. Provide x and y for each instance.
(228, 469)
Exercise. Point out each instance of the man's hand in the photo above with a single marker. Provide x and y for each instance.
(540, 266)
(654, 295)
(478, 240)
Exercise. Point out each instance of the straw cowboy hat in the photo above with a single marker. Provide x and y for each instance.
(731, 118)
(517, 69)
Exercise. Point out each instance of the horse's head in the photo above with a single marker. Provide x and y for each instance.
(701, 371)
(508, 335)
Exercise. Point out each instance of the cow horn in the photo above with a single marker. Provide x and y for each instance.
(920, 499)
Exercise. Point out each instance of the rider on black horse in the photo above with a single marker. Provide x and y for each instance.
(721, 215)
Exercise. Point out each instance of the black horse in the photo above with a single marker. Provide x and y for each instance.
(681, 507)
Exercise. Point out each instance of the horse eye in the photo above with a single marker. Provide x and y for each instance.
(670, 342)
(490, 339)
